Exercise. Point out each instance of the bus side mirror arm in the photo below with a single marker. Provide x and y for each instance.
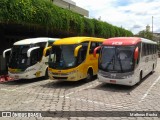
(45, 50)
(4, 52)
(76, 50)
(30, 50)
(95, 51)
(136, 53)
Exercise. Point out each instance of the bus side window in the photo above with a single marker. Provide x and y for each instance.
(143, 50)
(34, 57)
(151, 47)
(40, 54)
(98, 44)
(93, 46)
(154, 48)
(42, 46)
(148, 50)
(82, 52)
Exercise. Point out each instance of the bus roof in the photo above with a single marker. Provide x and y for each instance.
(76, 40)
(148, 41)
(34, 40)
(126, 41)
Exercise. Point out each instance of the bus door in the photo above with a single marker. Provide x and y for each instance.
(82, 59)
(93, 60)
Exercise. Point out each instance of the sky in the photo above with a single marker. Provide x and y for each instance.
(133, 15)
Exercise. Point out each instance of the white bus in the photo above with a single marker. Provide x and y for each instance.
(27, 58)
(126, 60)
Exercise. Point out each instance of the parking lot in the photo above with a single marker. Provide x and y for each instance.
(49, 95)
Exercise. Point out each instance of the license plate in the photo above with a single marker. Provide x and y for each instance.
(16, 76)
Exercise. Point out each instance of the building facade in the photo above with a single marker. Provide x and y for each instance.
(69, 4)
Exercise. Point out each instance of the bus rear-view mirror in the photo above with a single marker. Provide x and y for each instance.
(136, 53)
(95, 51)
(30, 51)
(7, 51)
(76, 50)
(46, 51)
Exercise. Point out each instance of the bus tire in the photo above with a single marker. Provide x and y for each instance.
(152, 69)
(89, 75)
(140, 77)
(46, 74)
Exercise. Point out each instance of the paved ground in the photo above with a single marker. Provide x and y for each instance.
(48, 95)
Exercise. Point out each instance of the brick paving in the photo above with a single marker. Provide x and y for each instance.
(48, 95)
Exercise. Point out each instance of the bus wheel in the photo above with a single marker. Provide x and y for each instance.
(89, 75)
(46, 74)
(140, 77)
(152, 70)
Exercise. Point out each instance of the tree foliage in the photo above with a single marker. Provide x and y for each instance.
(145, 34)
(45, 13)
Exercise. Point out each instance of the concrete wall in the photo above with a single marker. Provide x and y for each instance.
(2, 65)
(80, 11)
(73, 7)
(2, 47)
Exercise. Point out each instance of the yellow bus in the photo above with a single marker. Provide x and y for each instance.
(71, 59)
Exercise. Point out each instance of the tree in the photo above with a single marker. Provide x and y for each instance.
(145, 34)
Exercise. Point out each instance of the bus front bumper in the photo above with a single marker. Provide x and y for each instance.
(129, 81)
(24, 75)
(72, 76)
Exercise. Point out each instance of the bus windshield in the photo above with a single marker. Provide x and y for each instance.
(18, 58)
(62, 57)
(116, 59)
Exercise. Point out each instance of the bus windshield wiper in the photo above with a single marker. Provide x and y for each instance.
(111, 62)
(119, 60)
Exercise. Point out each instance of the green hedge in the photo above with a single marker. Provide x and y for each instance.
(45, 13)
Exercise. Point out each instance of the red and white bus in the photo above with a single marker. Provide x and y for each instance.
(126, 60)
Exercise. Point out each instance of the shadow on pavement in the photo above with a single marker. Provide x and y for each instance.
(66, 84)
(120, 88)
(23, 81)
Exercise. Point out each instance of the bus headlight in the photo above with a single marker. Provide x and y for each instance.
(126, 77)
(28, 70)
